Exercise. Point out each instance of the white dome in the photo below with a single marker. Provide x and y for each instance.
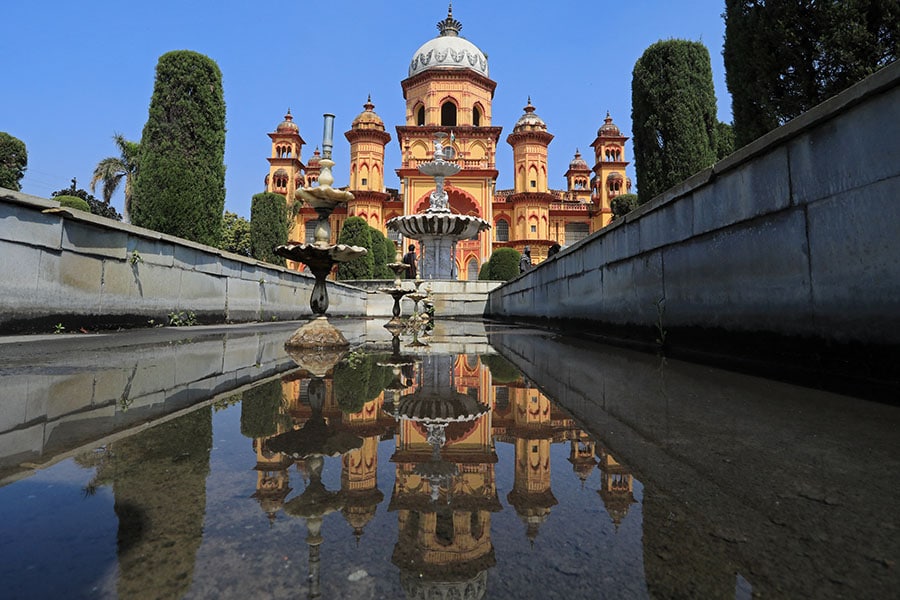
(448, 50)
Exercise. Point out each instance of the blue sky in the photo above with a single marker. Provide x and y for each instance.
(75, 73)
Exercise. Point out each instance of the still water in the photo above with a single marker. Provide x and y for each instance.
(490, 462)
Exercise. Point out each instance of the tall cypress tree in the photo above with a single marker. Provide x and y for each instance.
(355, 232)
(180, 188)
(268, 226)
(782, 58)
(673, 109)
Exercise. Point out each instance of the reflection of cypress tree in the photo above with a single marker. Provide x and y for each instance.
(261, 410)
(502, 371)
(159, 482)
(357, 380)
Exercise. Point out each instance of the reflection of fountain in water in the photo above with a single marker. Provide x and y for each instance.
(437, 228)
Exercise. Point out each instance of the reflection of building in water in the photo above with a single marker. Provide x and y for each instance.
(272, 480)
(581, 455)
(445, 490)
(616, 487)
(532, 424)
(359, 468)
(446, 417)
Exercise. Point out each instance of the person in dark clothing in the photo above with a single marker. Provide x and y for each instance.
(525, 261)
(410, 260)
(554, 249)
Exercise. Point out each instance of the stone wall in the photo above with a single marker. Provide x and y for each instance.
(795, 234)
(70, 267)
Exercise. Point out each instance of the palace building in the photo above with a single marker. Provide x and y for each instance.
(448, 89)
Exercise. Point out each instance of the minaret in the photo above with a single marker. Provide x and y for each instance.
(531, 197)
(609, 169)
(285, 167)
(578, 180)
(367, 139)
(287, 172)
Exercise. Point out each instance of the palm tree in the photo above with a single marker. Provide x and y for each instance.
(113, 169)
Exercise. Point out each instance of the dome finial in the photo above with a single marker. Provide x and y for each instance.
(449, 26)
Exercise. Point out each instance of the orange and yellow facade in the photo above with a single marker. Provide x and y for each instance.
(448, 89)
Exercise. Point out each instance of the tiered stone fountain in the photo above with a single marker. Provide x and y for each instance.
(321, 255)
(397, 292)
(437, 228)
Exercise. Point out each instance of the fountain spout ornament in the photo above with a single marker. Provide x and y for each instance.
(321, 255)
(438, 229)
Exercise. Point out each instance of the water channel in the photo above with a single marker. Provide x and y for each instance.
(494, 462)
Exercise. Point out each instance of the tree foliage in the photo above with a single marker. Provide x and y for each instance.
(13, 161)
(95, 205)
(356, 232)
(724, 139)
(358, 379)
(74, 202)
(113, 170)
(268, 226)
(623, 204)
(502, 371)
(235, 234)
(381, 254)
(782, 58)
(503, 265)
(673, 109)
(262, 410)
(180, 188)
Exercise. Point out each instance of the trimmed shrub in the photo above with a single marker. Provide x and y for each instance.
(180, 187)
(268, 227)
(356, 232)
(623, 204)
(74, 202)
(673, 110)
(504, 264)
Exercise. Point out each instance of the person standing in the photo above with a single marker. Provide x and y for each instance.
(553, 250)
(409, 259)
(525, 261)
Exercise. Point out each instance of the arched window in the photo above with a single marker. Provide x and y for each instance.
(420, 116)
(502, 229)
(311, 231)
(576, 232)
(476, 116)
(448, 114)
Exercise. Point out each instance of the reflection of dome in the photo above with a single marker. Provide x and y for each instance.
(578, 163)
(530, 121)
(416, 586)
(608, 129)
(288, 125)
(367, 119)
(271, 499)
(448, 50)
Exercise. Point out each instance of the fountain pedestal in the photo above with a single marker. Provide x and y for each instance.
(321, 255)
(438, 229)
